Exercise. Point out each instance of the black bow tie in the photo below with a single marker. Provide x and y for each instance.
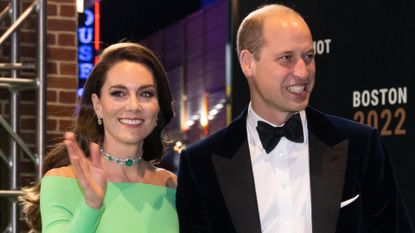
(270, 135)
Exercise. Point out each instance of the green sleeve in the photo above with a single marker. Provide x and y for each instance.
(63, 208)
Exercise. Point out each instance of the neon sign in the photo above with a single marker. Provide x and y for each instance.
(85, 45)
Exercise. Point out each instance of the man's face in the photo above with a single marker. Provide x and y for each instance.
(281, 77)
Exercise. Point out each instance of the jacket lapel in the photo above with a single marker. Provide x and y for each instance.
(328, 159)
(232, 165)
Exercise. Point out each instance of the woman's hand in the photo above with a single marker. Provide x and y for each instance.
(89, 171)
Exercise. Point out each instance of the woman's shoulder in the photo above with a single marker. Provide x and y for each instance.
(169, 179)
(66, 171)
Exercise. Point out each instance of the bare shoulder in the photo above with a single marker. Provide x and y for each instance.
(169, 179)
(66, 171)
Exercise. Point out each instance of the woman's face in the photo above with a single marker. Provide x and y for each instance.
(128, 104)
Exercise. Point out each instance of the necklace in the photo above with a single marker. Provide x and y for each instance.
(128, 162)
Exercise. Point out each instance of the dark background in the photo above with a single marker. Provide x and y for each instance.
(134, 20)
(372, 47)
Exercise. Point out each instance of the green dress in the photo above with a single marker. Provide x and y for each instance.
(127, 207)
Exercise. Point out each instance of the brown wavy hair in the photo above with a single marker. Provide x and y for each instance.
(86, 128)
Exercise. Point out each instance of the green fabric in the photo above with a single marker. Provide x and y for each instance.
(128, 207)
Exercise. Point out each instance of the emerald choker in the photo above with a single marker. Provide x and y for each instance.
(128, 162)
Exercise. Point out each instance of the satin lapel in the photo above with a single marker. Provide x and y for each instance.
(237, 184)
(233, 168)
(327, 172)
(328, 159)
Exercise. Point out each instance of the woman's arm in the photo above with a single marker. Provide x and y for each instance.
(63, 207)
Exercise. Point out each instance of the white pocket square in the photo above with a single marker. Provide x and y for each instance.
(347, 202)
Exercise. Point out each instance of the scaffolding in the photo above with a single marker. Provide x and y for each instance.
(15, 85)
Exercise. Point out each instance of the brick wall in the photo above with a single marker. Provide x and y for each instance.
(62, 73)
(61, 66)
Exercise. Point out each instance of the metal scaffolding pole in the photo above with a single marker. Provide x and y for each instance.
(15, 84)
(14, 120)
(41, 74)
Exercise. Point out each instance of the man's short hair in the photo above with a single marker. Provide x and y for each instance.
(250, 33)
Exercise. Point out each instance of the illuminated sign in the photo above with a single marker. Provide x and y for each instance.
(85, 45)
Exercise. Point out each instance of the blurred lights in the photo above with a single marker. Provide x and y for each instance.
(213, 112)
(219, 105)
(189, 123)
(80, 6)
(183, 114)
(80, 91)
(204, 112)
(203, 118)
(179, 146)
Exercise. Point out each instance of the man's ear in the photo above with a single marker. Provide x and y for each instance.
(97, 105)
(247, 59)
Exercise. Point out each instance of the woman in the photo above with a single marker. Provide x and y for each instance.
(102, 177)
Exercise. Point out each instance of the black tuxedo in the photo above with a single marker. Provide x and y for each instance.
(216, 190)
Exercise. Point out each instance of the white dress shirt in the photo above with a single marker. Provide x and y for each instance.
(282, 180)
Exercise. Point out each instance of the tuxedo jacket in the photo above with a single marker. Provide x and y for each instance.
(348, 167)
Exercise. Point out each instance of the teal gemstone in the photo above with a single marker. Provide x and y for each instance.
(129, 162)
(110, 158)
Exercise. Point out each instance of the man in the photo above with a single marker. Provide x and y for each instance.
(318, 173)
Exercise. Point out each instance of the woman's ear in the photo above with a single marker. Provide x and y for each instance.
(247, 59)
(97, 105)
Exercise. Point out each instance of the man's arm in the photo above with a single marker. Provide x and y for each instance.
(380, 194)
(189, 201)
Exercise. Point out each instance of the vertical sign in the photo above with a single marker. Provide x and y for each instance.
(85, 47)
